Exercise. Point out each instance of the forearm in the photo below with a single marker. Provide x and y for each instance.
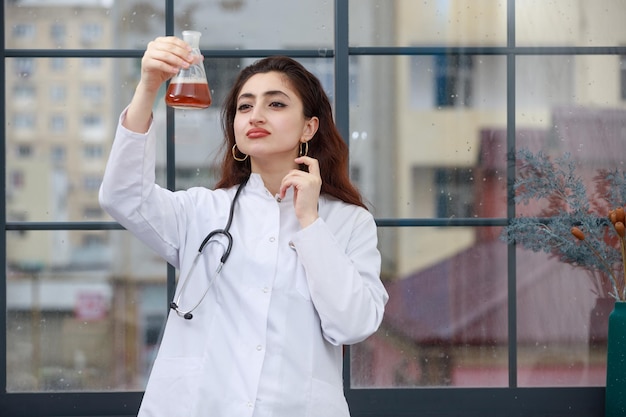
(139, 113)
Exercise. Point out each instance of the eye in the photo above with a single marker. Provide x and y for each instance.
(243, 107)
(277, 104)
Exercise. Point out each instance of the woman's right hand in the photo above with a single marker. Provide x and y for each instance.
(163, 58)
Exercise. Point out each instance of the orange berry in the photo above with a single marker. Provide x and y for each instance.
(619, 214)
(620, 229)
(578, 234)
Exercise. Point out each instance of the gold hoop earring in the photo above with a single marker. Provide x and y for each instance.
(235, 157)
(304, 148)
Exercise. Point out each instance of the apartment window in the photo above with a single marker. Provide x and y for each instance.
(24, 67)
(24, 92)
(90, 33)
(92, 92)
(24, 121)
(455, 192)
(92, 240)
(91, 121)
(91, 63)
(57, 123)
(58, 93)
(57, 64)
(93, 151)
(24, 31)
(92, 213)
(57, 153)
(91, 183)
(453, 80)
(24, 151)
(58, 33)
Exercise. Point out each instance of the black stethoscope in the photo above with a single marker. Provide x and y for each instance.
(210, 238)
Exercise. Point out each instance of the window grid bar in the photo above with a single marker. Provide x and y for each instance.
(330, 53)
(3, 216)
(510, 173)
(138, 53)
(170, 157)
(342, 107)
(381, 222)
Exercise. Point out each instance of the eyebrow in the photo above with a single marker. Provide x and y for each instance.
(266, 94)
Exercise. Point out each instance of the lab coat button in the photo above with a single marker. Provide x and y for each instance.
(272, 239)
(259, 347)
(266, 290)
(291, 245)
(250, 404)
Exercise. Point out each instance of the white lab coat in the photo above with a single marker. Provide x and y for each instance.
(267, 339)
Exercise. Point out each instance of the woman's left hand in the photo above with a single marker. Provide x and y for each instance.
(306, 190)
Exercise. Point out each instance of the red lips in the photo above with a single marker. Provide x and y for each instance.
(257, 132)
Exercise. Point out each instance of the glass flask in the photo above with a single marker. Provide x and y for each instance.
(189, 89)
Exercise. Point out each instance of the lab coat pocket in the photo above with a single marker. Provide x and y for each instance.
(327, 400)
(172, 388)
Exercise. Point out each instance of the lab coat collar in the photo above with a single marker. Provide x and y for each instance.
(257, 186)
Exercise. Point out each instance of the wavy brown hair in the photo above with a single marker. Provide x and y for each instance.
(327, 147)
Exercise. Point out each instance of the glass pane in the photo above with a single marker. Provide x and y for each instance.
(446, 320)
(61, 117)
(570, 110)
(47, 26)
(132, 24)
(427, 23)
(81, 317)
(562, 324)
(268, 24)
(437, 134)
(570, 22)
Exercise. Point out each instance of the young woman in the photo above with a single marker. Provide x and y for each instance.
(262, 334)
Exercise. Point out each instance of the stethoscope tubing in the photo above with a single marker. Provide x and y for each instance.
(175, 305)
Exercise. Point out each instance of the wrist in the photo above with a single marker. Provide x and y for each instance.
(146, 91)
(308, 220)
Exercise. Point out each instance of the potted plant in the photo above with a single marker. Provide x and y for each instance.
(581, 223)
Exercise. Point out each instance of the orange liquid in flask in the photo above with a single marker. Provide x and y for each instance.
(188, 94)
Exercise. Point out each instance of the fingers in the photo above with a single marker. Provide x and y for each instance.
(167, 54)
(302, 179)
(163, 58)
(311, 163)
(307, 186)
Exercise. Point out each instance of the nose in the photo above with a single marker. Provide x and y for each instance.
(257, 115)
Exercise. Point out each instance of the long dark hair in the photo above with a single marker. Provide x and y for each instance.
(327, 147)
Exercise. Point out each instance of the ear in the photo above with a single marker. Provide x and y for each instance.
(310, 128)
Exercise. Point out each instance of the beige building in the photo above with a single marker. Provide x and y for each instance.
(59, 127)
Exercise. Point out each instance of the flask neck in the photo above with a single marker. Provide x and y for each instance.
(192, 37)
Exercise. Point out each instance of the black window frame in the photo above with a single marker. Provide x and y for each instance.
(483, 402)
